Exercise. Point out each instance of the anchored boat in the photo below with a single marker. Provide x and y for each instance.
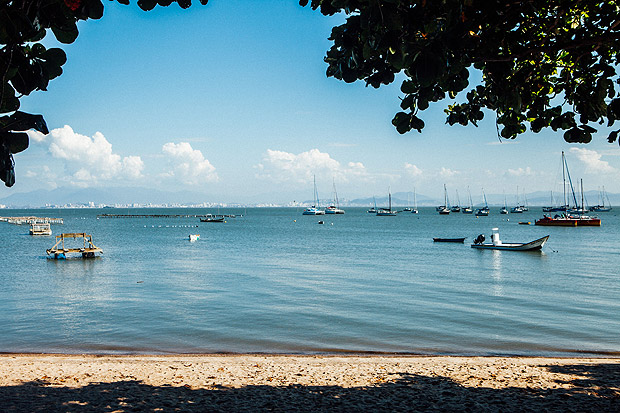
(59, 251)
(497, 244)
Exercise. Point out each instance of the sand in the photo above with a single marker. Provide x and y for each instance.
(83, 383)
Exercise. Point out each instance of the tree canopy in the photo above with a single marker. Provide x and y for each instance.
(544, 63)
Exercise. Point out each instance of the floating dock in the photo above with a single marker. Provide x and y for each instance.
(40, 229)
(163, 216)
(88, 250)
(31, 220)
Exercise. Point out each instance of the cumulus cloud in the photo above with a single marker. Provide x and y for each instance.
(88, 159)
(592, 160)
(188, 164)
(412, 170)
(283, 166)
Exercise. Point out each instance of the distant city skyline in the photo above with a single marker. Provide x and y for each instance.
(230, 101)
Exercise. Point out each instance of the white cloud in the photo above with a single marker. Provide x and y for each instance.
(133, 166)
(88, 160)
(188, 165)
(413, 170)
(520, 172)
(592, 160)
(280, 166)
(447, 173)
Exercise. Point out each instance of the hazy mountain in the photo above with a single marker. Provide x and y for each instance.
(128, 196)
(108, 196)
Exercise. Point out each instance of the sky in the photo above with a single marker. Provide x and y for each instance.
(231, 100)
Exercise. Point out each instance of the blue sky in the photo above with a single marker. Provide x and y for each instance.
(231, 100)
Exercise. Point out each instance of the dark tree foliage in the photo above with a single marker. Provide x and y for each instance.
(26, 65)
(544, 63)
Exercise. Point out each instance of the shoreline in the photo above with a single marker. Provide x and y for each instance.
(283, 382)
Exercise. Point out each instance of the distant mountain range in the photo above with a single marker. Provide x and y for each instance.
(128, 196)
(99, 196)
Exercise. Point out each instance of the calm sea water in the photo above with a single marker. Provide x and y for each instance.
(276, 281)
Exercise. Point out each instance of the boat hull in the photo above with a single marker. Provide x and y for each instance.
(458, 240)
(569, 222)
(528, 246)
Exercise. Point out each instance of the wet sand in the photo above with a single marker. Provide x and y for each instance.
(80, 383)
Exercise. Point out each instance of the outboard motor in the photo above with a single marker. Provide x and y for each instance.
(479, 239)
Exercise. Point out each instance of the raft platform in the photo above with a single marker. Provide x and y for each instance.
(59, 251)
(31, 220)
(163, 216)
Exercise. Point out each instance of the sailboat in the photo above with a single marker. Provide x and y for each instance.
(484, 211)
(518, 209)
(314, 209)
(407, 208)
(387, 212)
(415, 203)
(469, 209)
(445, 208)
(601, 202)
(335, 207)
(504, 209)
(373, 209)
(565, 219)
(456, 208)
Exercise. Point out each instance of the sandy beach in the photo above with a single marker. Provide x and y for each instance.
(78, 383)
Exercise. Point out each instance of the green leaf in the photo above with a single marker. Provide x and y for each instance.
(65, 34)
(22, 121)
(402, 122)
(15, 142)
(9, 103)
(147, 5)
(93, 9)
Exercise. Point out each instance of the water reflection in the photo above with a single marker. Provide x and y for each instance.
(496, 263)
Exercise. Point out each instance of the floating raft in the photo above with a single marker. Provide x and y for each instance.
(163, 216)
(88, 250)
(40, 229)
(31, 220)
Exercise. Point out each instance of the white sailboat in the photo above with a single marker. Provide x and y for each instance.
(484, 211)
(504, 209)
(373, 209)
(469, 209)
(445, 208)
(601, 207)
(415, 203)
(314, 209)
(335, 207)
(518, 208)
(387, 212)
(407, 208)
(457, 207)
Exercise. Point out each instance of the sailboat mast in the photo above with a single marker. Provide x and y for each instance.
(582, 210)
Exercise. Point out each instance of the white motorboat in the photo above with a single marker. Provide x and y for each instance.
(497, 244)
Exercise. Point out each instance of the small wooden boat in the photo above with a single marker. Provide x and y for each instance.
(459, 240)
(496, 244)
(525, 223)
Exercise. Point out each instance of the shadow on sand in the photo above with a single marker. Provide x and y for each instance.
(597, 389)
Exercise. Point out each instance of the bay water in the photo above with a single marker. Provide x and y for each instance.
(274, 281)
